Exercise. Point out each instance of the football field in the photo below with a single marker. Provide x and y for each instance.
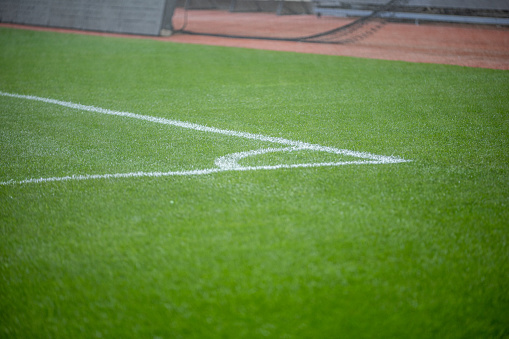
(151, 189)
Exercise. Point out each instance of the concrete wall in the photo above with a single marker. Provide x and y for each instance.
(145, 17)
(463, 4)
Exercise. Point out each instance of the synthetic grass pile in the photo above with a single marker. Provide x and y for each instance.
(409, 250)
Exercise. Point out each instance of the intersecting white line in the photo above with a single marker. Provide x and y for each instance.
(225, 163)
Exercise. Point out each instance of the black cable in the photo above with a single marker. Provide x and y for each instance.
(349, 31)
(184, 25)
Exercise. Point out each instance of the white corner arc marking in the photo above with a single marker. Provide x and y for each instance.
(225, 163)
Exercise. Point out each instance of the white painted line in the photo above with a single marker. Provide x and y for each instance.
(225, 163)
(230, 161)
(186, 173)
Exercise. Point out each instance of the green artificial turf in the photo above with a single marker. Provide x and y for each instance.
(409, 250)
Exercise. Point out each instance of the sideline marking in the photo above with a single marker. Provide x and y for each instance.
(225, 163)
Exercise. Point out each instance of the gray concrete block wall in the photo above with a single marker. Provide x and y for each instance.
(117, 16)
(34, 12)
(463, 4)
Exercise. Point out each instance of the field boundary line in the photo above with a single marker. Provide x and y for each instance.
(224, 163)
